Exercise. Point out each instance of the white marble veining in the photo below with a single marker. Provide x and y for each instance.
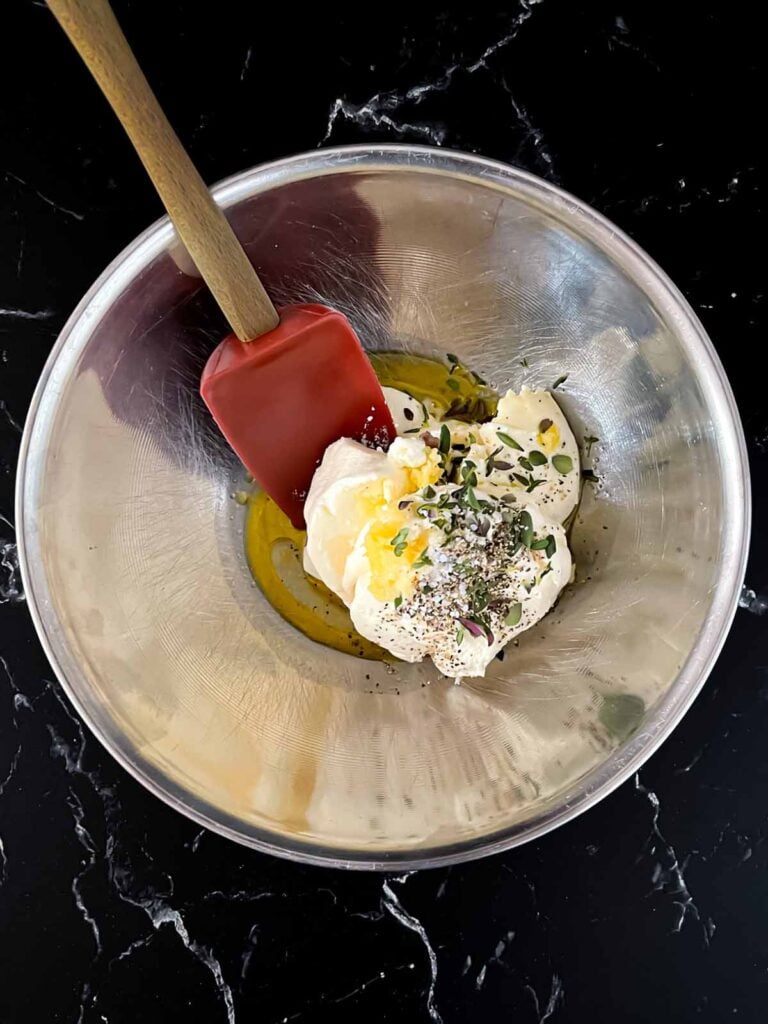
(392, 903)
(382, 108)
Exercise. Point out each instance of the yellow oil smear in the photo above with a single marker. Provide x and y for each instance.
(274, 548)
(426, 379)
(549, 439)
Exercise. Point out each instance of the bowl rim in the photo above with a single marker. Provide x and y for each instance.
(605, 777)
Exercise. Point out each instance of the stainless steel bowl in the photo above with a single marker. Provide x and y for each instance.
(132, 550)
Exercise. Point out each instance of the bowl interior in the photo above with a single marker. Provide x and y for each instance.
(133, 548)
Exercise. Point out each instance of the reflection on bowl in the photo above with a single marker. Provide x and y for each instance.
(132, 549)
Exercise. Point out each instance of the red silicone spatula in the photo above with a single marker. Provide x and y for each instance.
(286, 383)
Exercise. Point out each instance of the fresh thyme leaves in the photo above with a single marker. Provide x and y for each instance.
(474, 628)
(468, 474)
(398, 601)
(510, 442)
(453, 384)
(560, 380)
(475, 409)
(525, 463)
(471, 499)
(526, 528)
(521, 479)
(400, 541)
(546, 544)
(589, 440)
(514, 614)
(423, 560)
(429, 492)
(590, 476)
(562, 463)
(445, 440)
(460, 634)
(524, 363)
(404, 504)
(453, 360)
(537, 458)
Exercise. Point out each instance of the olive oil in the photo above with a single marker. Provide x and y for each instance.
(275, 549)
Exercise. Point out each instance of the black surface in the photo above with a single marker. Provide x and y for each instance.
(651, 907)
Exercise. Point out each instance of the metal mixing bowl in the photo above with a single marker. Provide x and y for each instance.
(132, 549)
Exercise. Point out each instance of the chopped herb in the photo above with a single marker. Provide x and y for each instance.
(400, 549)
(472, 439)
(398, 601)
(524, 363)
(560, 380)
(404, 504)
(429, 492)
(400, 538)
(468, 474)
(537, 458)
(589, 440)
(546, 544)
(471, 500)
(423, 560)
(526, 528)
(472, 627)
(496, 464)
(408, 413)
(525, 463)
(460, 634)
(445, 440)
(452, 358)
(544, 426)
(510, 442)
(562, 463)
(521, 479)
(590, 476)
(547, 570)
(453, 384)
(533, 484)
(473, 409)
(508, 499)
(514, 614)
(478, 379)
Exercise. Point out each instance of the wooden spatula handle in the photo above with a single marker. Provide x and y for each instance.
(205, 231)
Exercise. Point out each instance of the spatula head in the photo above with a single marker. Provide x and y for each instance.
(282, 399)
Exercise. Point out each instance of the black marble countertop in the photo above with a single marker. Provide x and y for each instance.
(653, 906)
